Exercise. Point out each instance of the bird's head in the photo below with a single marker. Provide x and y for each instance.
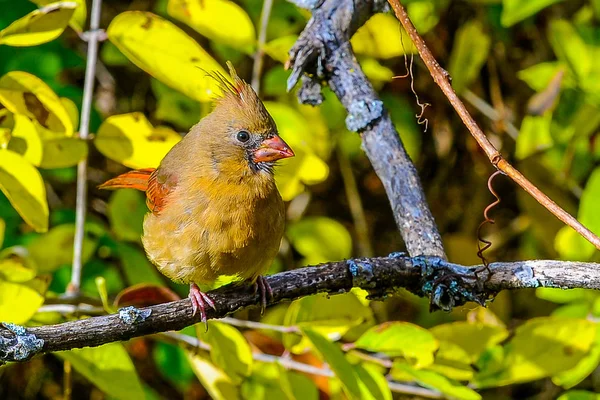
(246, 135)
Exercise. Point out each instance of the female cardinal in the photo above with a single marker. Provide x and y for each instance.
(214, 206)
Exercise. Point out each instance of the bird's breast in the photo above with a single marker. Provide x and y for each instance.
(213, 229)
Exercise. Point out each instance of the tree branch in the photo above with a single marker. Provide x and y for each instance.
(323, 52)
(446, 284)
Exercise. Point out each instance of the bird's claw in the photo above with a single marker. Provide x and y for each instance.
(200, 301)
(265, 289)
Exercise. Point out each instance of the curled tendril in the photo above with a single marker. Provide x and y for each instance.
(421, 120)
(487, 220)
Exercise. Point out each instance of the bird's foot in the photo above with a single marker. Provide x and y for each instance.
(200, 301)
(263, 286)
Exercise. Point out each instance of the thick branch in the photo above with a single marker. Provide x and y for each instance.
(323, 52)
(446, 284)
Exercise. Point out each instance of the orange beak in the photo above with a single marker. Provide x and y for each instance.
(272, 149)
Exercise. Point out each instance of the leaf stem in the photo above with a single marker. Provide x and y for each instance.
(262, 38)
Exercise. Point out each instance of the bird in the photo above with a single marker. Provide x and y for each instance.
(214, 208)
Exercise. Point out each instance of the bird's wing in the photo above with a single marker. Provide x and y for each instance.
(156, 183)
(160, 184)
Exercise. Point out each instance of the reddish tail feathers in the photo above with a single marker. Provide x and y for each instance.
(136, 179)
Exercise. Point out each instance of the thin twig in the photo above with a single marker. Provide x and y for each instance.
(240, 323)
(260, 47)
(355, 203)
(441, 77)
(86, 108)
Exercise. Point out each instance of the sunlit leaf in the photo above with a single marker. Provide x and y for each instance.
(542, 347)
(469, 53)
(381, 37)
(375, 72)
(23, 186)
(26, 140)
(395, 339)
(131, 140)
(39, 26)
(358, 382)
(77, 21)
(534, 136)
(160, 48)
(588, 206)
(452, 361)
(23, 93)
(72, 110)
(214, 19)
(320, 239)
(329, 316)
(16, 270)
(278, 49)
(578, 395)
(264, 383)
(55, 248)
(473, 338)
(572, 246)
(514, 11)
(109, 368)
(218, 384)
(374, 381)
(565, 296)
(2, 229)
(18, 302)
(60, 151)
(586, 366)
(451, 389)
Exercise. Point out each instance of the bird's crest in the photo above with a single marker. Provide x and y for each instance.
(235, 87)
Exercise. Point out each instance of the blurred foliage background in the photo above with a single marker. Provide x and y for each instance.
(529, 73)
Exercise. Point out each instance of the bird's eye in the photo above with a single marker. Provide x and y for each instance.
(243, 136)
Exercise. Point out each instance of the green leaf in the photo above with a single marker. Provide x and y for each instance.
(374, 381)
(296, 386)
(473, 338)
(562, 296)
(514, 11)
(588, 205)
(214, 19)
(109, 368)
(264, 383)
(131, 140)
(166, 52)
(414, 343)
(351, 381)
(320, 239)
(23, 93)
(62, 152)
(452, 361)
(218, 384)
(534, 136)
(136, 266)
(23, 186)
(174, 107)
(429, 379)
(469, 54)
(539, 76)
(542, 347)
(578, 395)
(39, 26)
(173, 363)
(55, 248)
(230, 351)
(381, 37)
(572, 246)
(126, 210)
(570, 48)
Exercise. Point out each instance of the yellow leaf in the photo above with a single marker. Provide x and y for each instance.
(62, 152)
(131, 140)
(25, 140)
(381, 37)
(72, 110)
(166, 52)
(218, 385)
(39, 26)
(77, 21)
(18, 302)
(2, 229)
(23, 186)
(220, 20)
(278, 49)
(23, 93)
